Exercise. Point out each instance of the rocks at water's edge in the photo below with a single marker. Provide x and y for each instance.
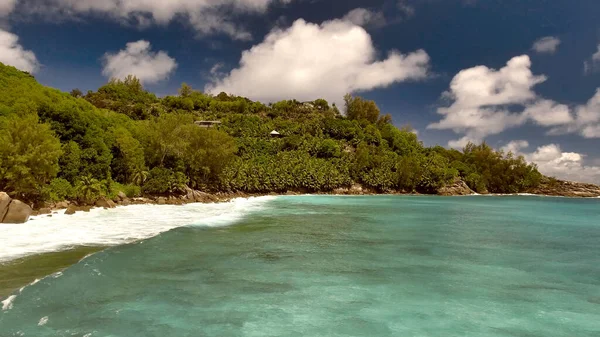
(566, 189)
(71, 210)
(13, 211)
(105, 203)
(458, 187)
(4, 202)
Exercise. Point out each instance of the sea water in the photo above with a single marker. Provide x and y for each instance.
(319, 266)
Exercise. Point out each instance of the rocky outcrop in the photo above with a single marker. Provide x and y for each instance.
(458, 187)
(4, 202)
(61, 205)
(12, 210)
(105, 203)
(17, 212)
(566, 189)
(71, 209)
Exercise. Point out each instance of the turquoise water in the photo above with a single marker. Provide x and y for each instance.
(340, 266)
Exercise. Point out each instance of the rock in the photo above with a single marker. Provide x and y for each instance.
(18, 212)
(4, 202)
(189, 194)
(61, 205)
(458, 187)
(84, 208)
(556, 187)
(161, 201)
(44, 211)
(122, 196)
(106, 203)
(126, 202)
(71, 209)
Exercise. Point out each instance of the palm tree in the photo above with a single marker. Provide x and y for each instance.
(139, 175)
(89, 187)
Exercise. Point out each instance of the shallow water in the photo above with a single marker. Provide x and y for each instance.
(337, 266)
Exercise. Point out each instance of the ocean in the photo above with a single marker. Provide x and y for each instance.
(372, 266)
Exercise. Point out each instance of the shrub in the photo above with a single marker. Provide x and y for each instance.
(164, 181)
(59, 189)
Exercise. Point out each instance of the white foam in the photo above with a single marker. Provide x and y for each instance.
(30, 284)
(7, 304)
(43, 321)
(116, 226)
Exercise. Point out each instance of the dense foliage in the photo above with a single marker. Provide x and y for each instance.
(59, 146)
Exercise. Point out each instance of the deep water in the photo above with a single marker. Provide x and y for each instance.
(336, 266)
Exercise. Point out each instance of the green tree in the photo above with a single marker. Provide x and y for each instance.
(358, 108)
(185, 90)
(88, 188)
(207, 153)
(28, 156)
(139, 175)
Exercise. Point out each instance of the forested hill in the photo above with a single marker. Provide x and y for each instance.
(77, 146)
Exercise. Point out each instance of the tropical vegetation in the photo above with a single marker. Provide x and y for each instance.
(56, 146)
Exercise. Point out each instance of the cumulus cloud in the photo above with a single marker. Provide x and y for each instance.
(487, 102)
(13, 54)
(6, 7)
(546, 45)
(593, 64)
(585, 120)
(548, 113)
(309, 61)
(364, 17)
(482, 96)
(588, 117)
(206, 16)
(552, 161)
(138, 59)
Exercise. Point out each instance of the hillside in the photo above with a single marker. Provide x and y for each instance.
(77, 146)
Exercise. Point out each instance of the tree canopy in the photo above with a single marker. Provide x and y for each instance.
(72, 145)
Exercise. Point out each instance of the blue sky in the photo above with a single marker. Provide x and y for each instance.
(521, 75)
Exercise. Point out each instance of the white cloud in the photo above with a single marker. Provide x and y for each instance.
(139, 60)
(552, 161)
(487, 102)
(13, 54)
(515, 146)
(309, 61)
(364, 17)
(588, 117)
(206, 16)
(405, 8)
(586, 120)
(6, 7)
(593, 64)
(548, 113)
(548, 45)
(482, 96)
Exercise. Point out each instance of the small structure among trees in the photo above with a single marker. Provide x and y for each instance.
(207, 124)
(275, 134)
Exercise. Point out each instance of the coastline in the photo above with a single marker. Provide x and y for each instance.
(24, 270)
(220, 197)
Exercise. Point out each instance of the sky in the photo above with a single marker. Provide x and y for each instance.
(523, 76)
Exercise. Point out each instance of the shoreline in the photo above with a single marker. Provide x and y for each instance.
(221, 197)
(24, 270)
